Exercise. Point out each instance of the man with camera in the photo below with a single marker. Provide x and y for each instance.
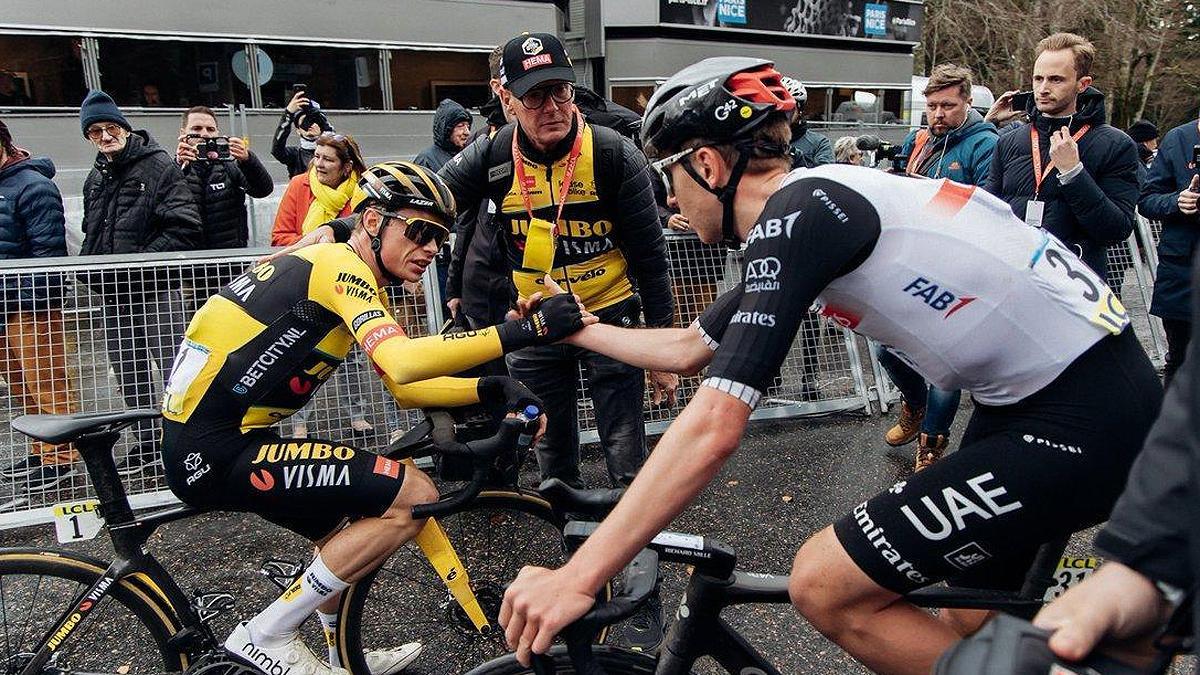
(221, 171)
(1169, 194)
(1066, 170)
(305, 115)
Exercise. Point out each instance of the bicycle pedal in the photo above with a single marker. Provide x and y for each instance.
(208, 605)
(280, 572)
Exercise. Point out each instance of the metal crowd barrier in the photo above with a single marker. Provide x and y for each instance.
(99, 333)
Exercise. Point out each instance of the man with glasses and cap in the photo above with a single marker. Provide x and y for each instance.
(575, 201)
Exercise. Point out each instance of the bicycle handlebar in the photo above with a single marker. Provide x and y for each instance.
(641, 576)
(513, 431)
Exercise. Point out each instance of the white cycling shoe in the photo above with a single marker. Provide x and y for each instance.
(392, 661)
(290, 658)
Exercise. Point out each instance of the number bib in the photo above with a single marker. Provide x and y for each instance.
(1103, 307)
(1070, 571)
(77, 521)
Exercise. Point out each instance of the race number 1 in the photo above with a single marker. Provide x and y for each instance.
(77, 521)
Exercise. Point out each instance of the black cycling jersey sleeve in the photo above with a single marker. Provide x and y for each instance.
(713, 321)
(810, 233)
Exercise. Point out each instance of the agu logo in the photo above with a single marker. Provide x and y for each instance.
(262, 480)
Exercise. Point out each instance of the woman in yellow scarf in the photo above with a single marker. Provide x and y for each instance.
(322, 193)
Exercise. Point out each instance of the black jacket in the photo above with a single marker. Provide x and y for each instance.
(632, 213)
(220, 190)
(137, 203)
(487, 292)
(1168, 176)
(448, 115)
(1093, 210)
(1155, 526)
(293, 157)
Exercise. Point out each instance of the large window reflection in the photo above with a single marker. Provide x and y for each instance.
(174, 74)
(41, 71)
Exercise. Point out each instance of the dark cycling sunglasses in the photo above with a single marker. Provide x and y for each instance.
(421, 231)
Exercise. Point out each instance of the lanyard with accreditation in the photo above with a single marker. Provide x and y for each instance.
(1035, 208)
(540, 240)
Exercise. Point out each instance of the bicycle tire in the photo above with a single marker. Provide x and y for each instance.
(118, 644)
(614, 661)
(405, 600)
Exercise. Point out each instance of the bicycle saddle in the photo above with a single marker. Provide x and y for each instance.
(1011, 646)
(57, 429)
(573, 500)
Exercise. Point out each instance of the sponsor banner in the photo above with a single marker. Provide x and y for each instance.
(873, 19)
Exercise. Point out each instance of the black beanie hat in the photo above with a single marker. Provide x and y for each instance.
(99, 107)
(1142, 131)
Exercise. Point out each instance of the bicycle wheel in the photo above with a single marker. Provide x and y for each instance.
(614, 660)
(405, 600)
(126, 633)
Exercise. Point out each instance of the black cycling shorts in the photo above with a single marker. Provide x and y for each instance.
(1026, 473)
(305, 485)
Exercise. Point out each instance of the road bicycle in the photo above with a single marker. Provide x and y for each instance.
(61, 612)
(715, 584)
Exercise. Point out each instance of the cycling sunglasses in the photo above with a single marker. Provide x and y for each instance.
(421, 231)
(661, 168)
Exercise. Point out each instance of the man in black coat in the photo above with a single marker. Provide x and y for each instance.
(219, 188)
(1086, 185)
(1170, 194)
(135, 200)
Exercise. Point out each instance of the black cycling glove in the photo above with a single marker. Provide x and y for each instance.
(556, 317)
(515, 395)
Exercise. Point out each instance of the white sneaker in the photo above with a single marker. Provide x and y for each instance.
(290, 658)
(392, 661)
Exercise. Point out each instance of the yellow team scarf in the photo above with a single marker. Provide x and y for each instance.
(328, 202)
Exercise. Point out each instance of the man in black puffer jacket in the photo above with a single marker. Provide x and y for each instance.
(219, 188)
(1089, 183)
(451, 130)
(135, 200)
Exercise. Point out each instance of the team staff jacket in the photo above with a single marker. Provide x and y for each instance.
(966, 293)
(258, 351)
(608, 239)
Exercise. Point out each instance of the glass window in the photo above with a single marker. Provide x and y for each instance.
(172, 74)
(857, 105)
(337, 78)
(421, 78)
(893, 106)
(814, 109)
(635, 97)
(41, 70)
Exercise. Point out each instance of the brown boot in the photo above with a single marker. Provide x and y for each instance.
(906, 427)
(929, 450)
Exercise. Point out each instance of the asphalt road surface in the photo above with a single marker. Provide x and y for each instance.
(788, 480)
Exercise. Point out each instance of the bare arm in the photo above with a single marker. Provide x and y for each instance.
(672, 350)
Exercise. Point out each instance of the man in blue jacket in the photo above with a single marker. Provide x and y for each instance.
(1170, 195)
(1067, 170)
(32, 350)
(957, 145)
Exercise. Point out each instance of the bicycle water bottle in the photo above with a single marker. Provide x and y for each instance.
(529, 414)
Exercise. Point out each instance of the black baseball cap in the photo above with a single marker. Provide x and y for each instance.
(531, 59)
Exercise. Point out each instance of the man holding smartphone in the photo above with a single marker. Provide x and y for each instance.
(1066, 170)
(1170, 194)
(220, 172)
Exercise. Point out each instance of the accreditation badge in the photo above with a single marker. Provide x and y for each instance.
(539, 246)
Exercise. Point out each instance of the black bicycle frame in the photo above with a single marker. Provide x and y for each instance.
(129, 535)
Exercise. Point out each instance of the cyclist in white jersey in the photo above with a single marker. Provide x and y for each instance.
(967, 294)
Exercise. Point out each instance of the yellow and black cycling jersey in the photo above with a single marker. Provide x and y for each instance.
(609, 241)
(257, 351)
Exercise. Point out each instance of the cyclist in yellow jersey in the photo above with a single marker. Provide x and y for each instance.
(258, 351)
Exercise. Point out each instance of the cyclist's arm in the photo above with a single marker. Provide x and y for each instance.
(439, 392)
(815, 250)
(400, 359)
(673, 350)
